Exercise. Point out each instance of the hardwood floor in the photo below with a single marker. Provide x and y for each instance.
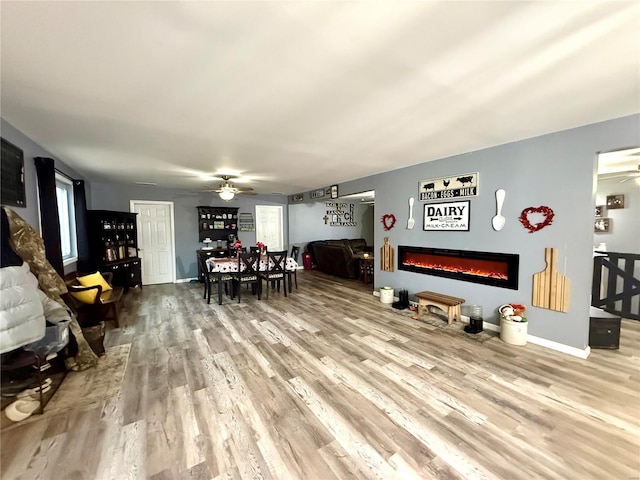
(329, 383)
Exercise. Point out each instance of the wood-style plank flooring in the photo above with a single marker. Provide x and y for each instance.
(330, 383)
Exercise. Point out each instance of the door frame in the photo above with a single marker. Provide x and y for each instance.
(172, 234)
(281, 212)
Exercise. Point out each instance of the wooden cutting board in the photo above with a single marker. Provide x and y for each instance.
(550, 288)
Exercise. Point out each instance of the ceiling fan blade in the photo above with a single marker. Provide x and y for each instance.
(626, 173)
(246, 192)
(244, 189)
(630, 176)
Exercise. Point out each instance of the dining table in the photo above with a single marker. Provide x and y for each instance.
(222, 267)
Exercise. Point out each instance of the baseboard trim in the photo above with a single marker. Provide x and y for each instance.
(185, 280)
(560, 347)
(543, 342)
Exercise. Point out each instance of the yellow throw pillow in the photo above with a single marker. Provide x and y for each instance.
(88, 296)
(94, 279)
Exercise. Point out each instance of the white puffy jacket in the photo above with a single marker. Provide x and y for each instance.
(21, 310)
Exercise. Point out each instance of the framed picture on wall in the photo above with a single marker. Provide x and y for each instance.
(599, 210)
(615, 201)
(447, 216)
(602, 225)
(13, 191)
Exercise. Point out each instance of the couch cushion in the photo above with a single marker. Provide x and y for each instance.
(358, 244)
(336, 260)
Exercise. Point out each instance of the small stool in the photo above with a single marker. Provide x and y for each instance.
(446, 303)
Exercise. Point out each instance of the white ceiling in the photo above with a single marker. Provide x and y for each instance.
(301, 95)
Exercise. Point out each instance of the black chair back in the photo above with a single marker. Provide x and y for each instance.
(248, 272)
(295, 252)
(276, 270)
(248, 265)
(202, 263)
(277, 263)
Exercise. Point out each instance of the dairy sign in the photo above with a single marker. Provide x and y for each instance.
(455, 186)
(446, 216)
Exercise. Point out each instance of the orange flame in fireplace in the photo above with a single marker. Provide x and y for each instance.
(466, 266)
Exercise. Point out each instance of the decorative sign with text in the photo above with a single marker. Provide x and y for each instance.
(447, 216)
(340, 215)
(457, 186)
(317, 193)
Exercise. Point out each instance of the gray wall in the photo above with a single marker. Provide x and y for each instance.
(30, 149)
(624, 234)
(117, 197)
(556, 170)
(306, 223)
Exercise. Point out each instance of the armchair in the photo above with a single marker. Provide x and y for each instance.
(94, 303)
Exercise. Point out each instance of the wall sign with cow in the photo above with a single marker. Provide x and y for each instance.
(455, 186)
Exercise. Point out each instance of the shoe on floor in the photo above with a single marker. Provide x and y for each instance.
(34, 392)
(12, 388)
(21, 409)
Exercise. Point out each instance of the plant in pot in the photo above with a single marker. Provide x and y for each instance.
(513, 323)
(513, 312)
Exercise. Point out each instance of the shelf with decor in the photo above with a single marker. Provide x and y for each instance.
(112, 247)
(217, 223)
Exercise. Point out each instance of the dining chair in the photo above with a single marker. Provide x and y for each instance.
(212, 277)
(276, 270)
(295, 252)
(254, 249)
(248, 267)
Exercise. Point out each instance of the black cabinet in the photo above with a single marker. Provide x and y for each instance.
(127, 273)
(604, 329)
(112, 247)
(217, 223)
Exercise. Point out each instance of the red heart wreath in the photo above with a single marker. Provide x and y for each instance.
(544, 210)
(388, 221)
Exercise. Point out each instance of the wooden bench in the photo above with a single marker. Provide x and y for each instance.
(446, 303)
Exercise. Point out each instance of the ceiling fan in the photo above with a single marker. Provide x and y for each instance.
(228, 190)
(626, 175)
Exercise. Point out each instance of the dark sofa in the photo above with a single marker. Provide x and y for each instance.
(336, 257)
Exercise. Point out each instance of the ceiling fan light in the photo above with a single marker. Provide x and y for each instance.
(226, 195)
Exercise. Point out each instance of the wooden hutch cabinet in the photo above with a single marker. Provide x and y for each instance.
(113, 247)
(216, 223)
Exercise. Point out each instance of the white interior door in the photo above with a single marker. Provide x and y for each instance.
(155, 240)
(269, 226)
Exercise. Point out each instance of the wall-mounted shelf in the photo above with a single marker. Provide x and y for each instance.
(217, 223)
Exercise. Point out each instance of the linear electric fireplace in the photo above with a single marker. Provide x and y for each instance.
(488, 268)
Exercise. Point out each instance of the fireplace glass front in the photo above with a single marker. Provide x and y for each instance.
(488, 268)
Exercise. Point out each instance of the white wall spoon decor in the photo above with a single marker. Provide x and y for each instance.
(411, 222)
(498, 221)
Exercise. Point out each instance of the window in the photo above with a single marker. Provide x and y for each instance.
(66, 214)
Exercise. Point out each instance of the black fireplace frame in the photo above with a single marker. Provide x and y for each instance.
(512, 260)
